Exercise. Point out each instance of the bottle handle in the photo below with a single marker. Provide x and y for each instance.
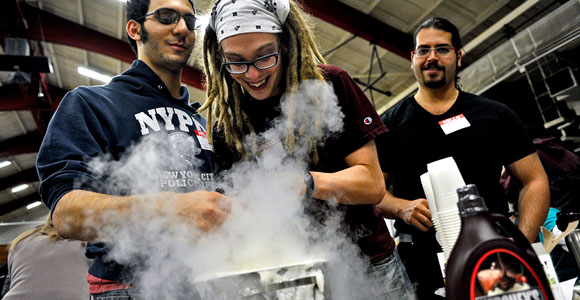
(509, 227)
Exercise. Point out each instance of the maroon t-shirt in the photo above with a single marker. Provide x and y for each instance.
(361, 125)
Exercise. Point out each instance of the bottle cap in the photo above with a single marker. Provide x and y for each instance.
(469, 189)
(469, 200)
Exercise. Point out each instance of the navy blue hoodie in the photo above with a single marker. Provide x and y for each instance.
(103, 123)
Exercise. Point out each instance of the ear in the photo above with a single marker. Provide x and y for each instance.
(134, 30)
(459, 55)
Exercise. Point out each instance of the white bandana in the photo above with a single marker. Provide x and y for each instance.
(231, 17)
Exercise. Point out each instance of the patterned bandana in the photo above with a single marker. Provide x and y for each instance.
(231, 17)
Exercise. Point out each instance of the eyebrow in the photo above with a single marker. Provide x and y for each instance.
(182, 13)
(261, 48)
(426, 46)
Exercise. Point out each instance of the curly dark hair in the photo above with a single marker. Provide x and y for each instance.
(444, 25)
(136, 9)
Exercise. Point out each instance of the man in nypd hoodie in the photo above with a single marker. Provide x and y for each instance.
(82, 162)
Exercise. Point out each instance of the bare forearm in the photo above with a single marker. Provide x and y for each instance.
(413, 212)
(92, 216)
(534, 202)
(354, 185)
(390, 206)
(534, 199)
(82, 214)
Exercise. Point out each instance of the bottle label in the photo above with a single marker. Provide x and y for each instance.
(501, 274)
(530, 294)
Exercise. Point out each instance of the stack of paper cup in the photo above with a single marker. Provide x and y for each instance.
(426, 183)
(445, 179)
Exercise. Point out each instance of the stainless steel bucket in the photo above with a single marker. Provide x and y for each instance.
(573, 243)
(304, 281)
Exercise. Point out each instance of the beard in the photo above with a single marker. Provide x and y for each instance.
(437, 83)
(172, 64)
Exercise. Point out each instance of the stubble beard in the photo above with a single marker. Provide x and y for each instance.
(174, 64)
(171, 64)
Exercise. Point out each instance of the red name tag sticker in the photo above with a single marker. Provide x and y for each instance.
(203, 141)
(454, 123)
(201, 133)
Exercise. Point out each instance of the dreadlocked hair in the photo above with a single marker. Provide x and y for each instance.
(300, 56)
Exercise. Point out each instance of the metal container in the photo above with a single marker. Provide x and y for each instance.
(303, 281)
(573, 243)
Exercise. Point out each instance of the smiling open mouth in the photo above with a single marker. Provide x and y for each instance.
(257, 84)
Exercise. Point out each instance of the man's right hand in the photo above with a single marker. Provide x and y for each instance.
(413, 212)
(416, 213)
(207, 210)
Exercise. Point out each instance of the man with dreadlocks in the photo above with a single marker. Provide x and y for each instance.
(256, 56)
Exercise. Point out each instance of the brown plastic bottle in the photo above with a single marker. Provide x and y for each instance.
(485, 263)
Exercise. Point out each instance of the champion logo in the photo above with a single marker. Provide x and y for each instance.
(368, 120)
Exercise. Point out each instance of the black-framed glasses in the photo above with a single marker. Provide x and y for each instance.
(442, 50)
(168, 16)
(261, 63)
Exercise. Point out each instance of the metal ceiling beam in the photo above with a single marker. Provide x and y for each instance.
(85, 53)
(25, 176)
(423, 16)
(362, 25)
(499, 24)
(13, 24)
(47, 27)
(371, 6)
(27, 143)
(11, 98)
(10, 19)
(41, 100)
(347, 37)
(18, 203)
(472, 44)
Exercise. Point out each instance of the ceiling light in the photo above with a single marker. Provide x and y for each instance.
(33, 205)
(5, 164)
(94, 74)
(19, 188)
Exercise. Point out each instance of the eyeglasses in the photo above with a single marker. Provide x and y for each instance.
(168, 16)
(439, 50)
(260, 63)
